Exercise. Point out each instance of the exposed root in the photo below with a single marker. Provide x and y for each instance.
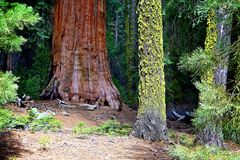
(51, 91)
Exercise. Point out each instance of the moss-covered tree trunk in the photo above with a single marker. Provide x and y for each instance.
(217, 45)
(80, 62)
(151, 122)
(210, 135)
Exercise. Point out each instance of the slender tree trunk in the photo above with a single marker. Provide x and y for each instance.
(217, 44)
(151, 123)
(131, 47)
(9, 62)
(210, 135)
(80, 62)
(116, 30)
(224, 28)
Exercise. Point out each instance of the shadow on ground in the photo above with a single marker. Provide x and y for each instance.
(10, 146)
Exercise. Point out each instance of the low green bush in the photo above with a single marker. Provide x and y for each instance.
(43, 121)
(45, 124)
(35, 121)
(113, 127)
(180, 152)
(9, 120)
(182, 138)
(6, 117)
(19, 122)
(8, 87)
(81, 128)
(110, 127)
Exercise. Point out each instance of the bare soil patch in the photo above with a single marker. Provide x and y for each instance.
(65, 145)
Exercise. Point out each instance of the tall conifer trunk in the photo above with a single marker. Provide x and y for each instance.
(151, 123)
(80, 62)
(224, 28)
(217, 44)
(131, 48)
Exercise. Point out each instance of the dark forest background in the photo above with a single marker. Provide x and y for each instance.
(182, 34)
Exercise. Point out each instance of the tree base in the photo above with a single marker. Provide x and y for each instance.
(51, 91)
(212, 137)
(109, 97)
(150, 126)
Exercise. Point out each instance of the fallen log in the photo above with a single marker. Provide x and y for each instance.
(91, 107)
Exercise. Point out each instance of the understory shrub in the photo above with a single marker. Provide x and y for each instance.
(6, 117)
(180, 152)
(110, 127)
(181, 138)
(44, 124)
(8, 87)
(34, 120)
(187, 149)
(43, 121)
(218, 107)
(231, 124)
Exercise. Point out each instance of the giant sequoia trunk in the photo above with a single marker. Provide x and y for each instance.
(151, 123)
(80, 63)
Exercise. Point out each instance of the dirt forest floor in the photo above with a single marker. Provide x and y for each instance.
(64, 145)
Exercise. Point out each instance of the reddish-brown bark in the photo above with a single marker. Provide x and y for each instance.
(80, 62)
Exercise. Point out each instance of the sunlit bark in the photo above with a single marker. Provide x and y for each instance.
(80, 62)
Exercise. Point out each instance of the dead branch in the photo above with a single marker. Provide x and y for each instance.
(91, 107)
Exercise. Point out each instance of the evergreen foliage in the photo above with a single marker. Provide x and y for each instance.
(14, 16)
(204, 7)
(180, 37)
(8, 87)
(198, 62)
(34, 79)
(116, 52)
(215, 106)
(34, 120)
(6, 117)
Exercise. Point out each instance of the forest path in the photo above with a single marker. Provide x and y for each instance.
(65, 145)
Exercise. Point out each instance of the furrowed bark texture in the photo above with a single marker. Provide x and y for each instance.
(151, 123)
(80, 62)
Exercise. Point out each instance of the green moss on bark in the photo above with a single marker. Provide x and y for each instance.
(152, 84)
(151, 67)
(210, 44)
